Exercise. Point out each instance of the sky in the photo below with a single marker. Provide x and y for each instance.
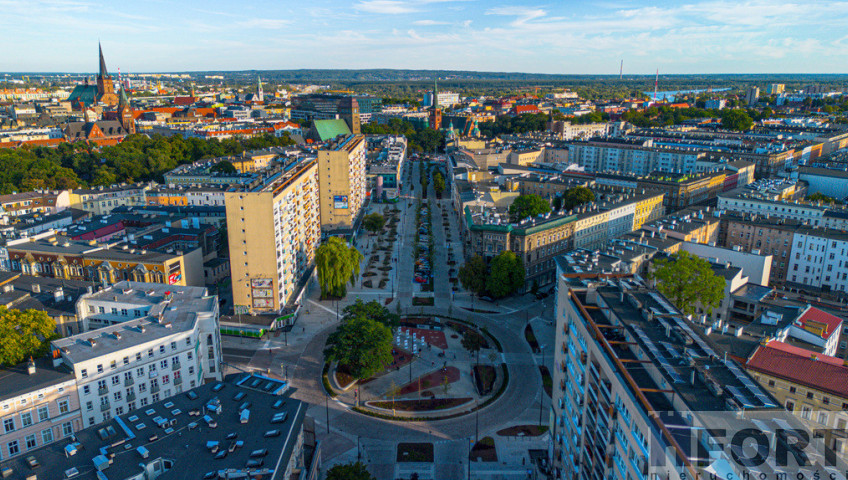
(562, 37)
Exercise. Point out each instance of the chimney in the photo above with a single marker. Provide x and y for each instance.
(58, 294)
(36, 288)
(31, 367)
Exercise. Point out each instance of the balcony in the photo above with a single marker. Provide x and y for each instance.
(178, 380)
(154, 389)
(103, 391)
(175, 366)
(128, 382)
(130, 397)
(104, 407)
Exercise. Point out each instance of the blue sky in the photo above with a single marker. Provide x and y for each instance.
(570, 37)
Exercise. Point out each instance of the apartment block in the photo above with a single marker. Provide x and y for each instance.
(342, 183)
(637, 156)
(102, 200)
(633, 380)
(811, 385)
(160, 341)
(38, 406)
(274, 228)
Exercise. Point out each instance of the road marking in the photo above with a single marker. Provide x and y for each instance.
(320, 306)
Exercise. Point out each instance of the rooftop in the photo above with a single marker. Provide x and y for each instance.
(170, 309)
(121, 446)
(15, 381)
(808, 368)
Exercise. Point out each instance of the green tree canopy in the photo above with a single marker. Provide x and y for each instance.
(373, 222)
(689, 282)
(362, 345)
(528, 206)
(372, 310)
(438, 183)
(338, 264)
(506, 274)
(576, 196)
(24, 334)
(349, 471)
(735, 119)
(472, 275)
(820, 197)
(224, 167)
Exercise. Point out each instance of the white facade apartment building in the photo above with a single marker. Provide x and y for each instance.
(161, 340)
(813, 215)
(638, 157)
(819, 259)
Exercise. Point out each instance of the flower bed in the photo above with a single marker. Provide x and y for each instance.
(420, 405)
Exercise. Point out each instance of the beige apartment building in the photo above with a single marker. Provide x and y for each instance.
(342, 182)
(38, 406)
(274, 228)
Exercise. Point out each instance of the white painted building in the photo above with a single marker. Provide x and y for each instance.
(156, 341)
(819, 259)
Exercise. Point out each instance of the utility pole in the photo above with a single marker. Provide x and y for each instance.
(327, 406)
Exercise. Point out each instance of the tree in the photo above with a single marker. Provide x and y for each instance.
(361, 345)
(337, 264)
(374, 222)
(224, 167)
(820, 197)
(735, 119)
(576, 196)
(473, 342)
(371, 310)
(349, 471)
(506, 274)
(438, 183)
(528, 206)
(24, 334)
(472, 275)
(689, 282)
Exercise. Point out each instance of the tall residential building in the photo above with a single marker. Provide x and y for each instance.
(752, 96)
(639, 391)
(342, 181)
(776, 89)
(640, 157)
(274, 228)
(161, 340)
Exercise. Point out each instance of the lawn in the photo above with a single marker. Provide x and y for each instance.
(484, 378)
(531, 339)
(485, 450)
(547, 381)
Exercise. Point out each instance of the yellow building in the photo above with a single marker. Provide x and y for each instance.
(811, 385)
(648, 209)
(167, 197)
(273, 227)
(342, 181)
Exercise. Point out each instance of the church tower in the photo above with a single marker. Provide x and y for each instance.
(435, 111)
(260, 96)
(125, 115)
(105, 88)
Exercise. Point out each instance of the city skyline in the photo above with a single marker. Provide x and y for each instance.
(709, 36)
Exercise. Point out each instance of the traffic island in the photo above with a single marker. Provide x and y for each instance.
(484, 450)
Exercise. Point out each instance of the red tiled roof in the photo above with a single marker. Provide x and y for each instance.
(798, 365)
(814, 314)
(526, 109)
(51, 142)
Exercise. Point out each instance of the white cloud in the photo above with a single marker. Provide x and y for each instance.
(429, 22)
(268, 23)
(386, 7)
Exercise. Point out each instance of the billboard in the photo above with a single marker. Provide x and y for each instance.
(263, 303)
(340, 201)
(174, 278)
(261, 283)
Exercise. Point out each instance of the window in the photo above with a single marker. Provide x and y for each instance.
(9, 425)
(46, 436)
(150, 352)
(173, 345)
(822, 418)
(138, 356)
(188, 341)
(771, 383)
(100, 369)
(806, 412)
(113, 365)
(161, 348)
(143, 402)
(84, 373)
(139, 372)
(126, 360)
(116, 380)
(26, 419)
(810, 395)
(89, 406)
(164, 364)
(791, 389)
(117, 396)
(68, 429)
(13, 448)
(30, 442)
(790, 405)
(64, 407)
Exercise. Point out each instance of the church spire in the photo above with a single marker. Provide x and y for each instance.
(122, 100)
(103, 71)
